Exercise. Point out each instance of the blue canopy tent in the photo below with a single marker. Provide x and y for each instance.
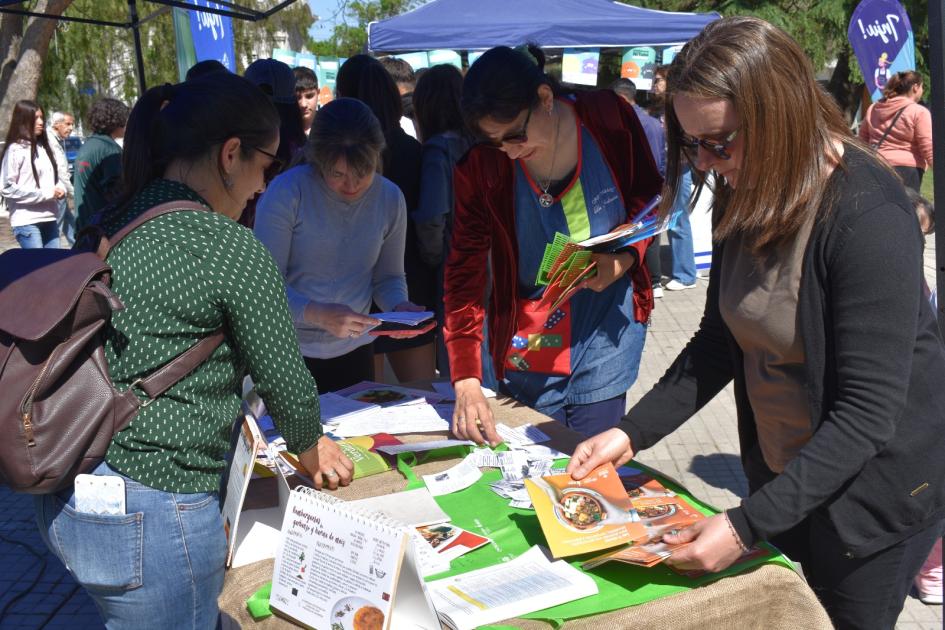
(481, 24)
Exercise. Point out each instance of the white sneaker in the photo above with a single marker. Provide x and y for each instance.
(657, 292)
(931, 599)
(676, 285)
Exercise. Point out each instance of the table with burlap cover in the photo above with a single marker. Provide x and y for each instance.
(772, 597)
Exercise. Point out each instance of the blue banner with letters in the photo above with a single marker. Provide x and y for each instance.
(881, 36)
(212, 34)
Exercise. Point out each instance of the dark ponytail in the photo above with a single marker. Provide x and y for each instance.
(900, 83)
(502, 83)
(189, 120)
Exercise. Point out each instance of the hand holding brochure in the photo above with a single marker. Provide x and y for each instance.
(582, 516)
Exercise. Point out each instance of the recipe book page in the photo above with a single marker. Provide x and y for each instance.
(339, 568)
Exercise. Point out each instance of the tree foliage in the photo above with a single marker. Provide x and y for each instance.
(351, 38)
(24, 43)
(86, 61)
(820, 27)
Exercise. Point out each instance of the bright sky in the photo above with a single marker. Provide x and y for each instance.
(329, 14)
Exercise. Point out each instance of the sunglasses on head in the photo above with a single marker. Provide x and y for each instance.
(718, 148)
(274, 168)
(519, 137)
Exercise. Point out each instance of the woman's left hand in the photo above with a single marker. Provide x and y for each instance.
(610, 267)
(333, 465)
(712, 546)
(408, 307)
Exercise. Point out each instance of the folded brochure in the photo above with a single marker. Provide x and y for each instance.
(583, 516)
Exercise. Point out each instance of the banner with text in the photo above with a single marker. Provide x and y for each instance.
(881, 36)
(201, 36)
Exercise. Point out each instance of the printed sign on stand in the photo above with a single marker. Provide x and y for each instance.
(579, 66)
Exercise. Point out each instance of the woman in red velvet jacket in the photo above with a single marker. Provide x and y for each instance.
(577, 166)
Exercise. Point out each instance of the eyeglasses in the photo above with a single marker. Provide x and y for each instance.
(521, 137)
(720, 149)
(274, 168)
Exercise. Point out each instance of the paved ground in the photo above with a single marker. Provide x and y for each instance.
(36, 592)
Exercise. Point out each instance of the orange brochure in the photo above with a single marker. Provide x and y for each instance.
(583, 516)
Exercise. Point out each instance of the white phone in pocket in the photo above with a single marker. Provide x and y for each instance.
(99, 494)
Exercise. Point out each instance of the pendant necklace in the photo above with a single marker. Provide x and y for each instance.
(545, 199)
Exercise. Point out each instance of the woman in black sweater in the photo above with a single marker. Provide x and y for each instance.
(816, 310)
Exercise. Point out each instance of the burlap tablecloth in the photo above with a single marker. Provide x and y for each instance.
(770, 597)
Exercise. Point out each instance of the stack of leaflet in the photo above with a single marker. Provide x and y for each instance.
(566, 265)
(369, 408)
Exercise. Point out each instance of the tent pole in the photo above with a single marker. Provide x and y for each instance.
(139, 57)
(937, 79)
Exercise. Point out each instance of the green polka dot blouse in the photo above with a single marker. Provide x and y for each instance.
(181, 276)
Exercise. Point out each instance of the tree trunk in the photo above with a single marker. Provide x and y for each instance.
(846, 93)
(26, 66)
(11, 34)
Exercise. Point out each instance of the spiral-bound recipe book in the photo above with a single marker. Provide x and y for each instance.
(339, 567)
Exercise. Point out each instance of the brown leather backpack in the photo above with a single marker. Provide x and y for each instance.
(58, 407)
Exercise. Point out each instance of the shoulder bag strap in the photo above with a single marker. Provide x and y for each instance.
(889, 128)
(106, 244)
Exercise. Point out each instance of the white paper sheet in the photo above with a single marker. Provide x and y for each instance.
(459, 477)
(416, 418)
(522, 435)
(514, 588)
(411, 507)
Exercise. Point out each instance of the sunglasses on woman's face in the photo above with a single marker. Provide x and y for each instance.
(274, 168)
(520, 137)
(720, 149)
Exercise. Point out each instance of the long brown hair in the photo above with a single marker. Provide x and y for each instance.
(788, 126)
(22, 123)
(900, 83)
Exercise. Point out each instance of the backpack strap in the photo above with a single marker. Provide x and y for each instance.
(179, 367)
(106, 244)
(186, 362)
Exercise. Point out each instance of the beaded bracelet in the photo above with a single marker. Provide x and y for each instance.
(738, 539)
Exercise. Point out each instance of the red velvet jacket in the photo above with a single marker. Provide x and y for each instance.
(484, 223)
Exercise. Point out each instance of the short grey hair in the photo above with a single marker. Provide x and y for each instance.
(58, 117)
(345, 128)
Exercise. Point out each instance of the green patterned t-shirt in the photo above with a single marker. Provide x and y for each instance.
(181, 276)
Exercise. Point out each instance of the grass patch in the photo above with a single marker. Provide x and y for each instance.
(928, 186)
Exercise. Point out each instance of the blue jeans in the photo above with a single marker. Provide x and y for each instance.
(680, 237)
(66, 222)
(37, 235)
(158, 566)
(594, 418)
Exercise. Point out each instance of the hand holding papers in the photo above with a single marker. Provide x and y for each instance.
(566, 265)
(403, 321)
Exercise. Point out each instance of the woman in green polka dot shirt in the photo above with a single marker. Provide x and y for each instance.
(181, 276)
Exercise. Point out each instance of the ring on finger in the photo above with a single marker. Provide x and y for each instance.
(331, 474)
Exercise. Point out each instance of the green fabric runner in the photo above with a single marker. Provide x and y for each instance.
(514, 531)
